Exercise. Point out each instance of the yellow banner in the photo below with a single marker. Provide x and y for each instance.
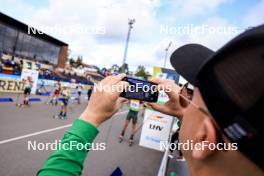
(156, 72)
(30, 65)
(8, 85)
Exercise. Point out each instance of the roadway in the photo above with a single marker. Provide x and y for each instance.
(18, 126)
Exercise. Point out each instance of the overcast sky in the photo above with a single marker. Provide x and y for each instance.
(96, 29)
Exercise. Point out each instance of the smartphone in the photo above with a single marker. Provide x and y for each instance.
(140, 90)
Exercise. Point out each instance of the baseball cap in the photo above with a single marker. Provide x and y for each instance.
(231, 82)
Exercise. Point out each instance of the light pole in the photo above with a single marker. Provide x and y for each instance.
(166, 54)
(130, 26)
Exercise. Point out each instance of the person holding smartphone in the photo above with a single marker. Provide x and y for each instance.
(84, 129)
(225, 109)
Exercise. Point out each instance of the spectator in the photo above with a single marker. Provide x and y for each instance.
(12, 62)
(21, 62)
(1, 54)
(70, 162)
(175, 140)
(1, 66)
(89, 92)
(225, 109)
(79, 89)
(223, 116)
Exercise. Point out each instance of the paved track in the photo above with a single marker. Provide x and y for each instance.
(17, 160)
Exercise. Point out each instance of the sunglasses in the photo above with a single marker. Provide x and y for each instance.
(186, 99)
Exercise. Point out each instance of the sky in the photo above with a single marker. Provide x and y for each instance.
(97, 29)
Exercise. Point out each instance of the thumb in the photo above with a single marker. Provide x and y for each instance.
(120, 101)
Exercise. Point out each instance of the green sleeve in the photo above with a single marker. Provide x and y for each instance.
(70, 162)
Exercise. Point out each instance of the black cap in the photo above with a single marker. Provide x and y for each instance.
(188, 59)
(231, 82)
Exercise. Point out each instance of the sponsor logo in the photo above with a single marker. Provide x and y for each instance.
(7, 85)
(155, 127)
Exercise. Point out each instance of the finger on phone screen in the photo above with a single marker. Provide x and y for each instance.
(168, 86)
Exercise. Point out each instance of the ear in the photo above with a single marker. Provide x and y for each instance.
(205, 136)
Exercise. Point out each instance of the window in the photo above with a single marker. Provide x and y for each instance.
(26, 45)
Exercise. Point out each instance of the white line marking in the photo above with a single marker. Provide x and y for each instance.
(34, 134)
(43, 131)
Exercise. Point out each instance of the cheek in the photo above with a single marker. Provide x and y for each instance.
(189, 125)
(187, 131)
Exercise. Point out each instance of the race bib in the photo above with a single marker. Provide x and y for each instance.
(134, 105)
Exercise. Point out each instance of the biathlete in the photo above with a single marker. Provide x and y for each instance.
(65, 96)
(134, 108)
(28, 83)
(55, 94)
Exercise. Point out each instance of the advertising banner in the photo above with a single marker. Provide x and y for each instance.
(13, 86)
(165, 73)
(11, 77)
(30, 65)
(156, 129)
(157, 126)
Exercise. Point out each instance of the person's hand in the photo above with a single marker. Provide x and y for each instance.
(172, 106)
(105, 100)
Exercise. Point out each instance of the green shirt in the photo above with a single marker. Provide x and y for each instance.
(70, 162)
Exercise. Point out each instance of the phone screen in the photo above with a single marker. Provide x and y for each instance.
(140, 90)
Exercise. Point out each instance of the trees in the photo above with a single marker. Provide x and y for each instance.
(124, 68)
(77, 62)
(141, 72)
(115, 68)
(71, 61)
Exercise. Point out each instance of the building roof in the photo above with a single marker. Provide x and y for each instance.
(24, 28)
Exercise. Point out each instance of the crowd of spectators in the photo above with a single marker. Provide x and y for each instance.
(10, 66)
(53, 75)
(83, 74)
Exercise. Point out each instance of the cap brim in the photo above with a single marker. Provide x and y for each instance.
(188, 59)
